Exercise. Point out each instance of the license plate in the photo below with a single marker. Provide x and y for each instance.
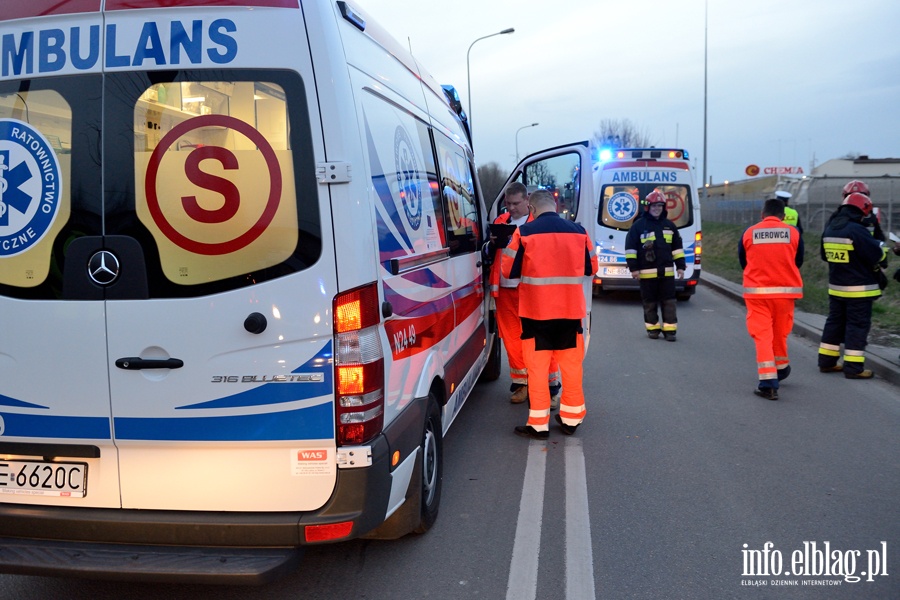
(616, 271)
(40, 478)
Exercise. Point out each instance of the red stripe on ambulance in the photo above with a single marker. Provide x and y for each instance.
(132, 4)
(20, 9)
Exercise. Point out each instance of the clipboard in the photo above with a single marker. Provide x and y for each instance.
(503, 232)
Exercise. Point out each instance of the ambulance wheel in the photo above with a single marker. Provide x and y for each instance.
(491, 370)
(431, 462)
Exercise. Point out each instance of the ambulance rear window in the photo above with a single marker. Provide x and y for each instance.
(207, 177)
(620, 205)
(49, 179)
(222, 177)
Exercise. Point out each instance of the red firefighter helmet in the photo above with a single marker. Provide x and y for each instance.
(860, 201)
(655, 197)
(856, 187)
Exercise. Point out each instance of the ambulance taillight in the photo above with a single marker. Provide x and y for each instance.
(358, 366)
(698, 248)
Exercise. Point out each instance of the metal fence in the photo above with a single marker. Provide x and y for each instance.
(815, 199)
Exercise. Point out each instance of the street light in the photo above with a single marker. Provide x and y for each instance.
(468, 76)
(705, 77)
(517, 137)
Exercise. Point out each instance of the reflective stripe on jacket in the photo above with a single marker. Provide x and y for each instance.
(495, 266)
(552, 256)
(771, 253)
(663, 237)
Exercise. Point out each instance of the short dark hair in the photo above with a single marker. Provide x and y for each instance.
(516, 188)
(774, 208)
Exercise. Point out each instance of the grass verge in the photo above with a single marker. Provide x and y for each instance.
(720, 243)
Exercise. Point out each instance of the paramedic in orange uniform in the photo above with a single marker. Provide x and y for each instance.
(506, 297)
(771, 253)
(551, 256)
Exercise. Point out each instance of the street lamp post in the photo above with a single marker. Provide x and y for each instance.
(517, 137)
(705, 55)
(468, 74)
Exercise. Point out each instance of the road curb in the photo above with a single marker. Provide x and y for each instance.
(883, 361)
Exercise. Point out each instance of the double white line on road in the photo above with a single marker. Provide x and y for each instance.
(523, 569)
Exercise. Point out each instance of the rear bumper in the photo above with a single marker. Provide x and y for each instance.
(182, 546)
(682, 286)
(116, 562)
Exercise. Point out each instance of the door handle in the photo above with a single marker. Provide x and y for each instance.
(135, 363)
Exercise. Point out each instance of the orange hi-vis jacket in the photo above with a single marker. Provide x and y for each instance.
(495, 266)
(771, 253)
(551, 256)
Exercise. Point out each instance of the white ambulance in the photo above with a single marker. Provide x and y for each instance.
(241, 293)
(624, 177)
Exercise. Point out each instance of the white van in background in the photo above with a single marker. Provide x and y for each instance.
(241, 293)
(623, 178)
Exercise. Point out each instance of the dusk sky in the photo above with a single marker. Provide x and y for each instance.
(790, 82)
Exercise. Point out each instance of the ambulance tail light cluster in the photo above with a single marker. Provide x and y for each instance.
(698, 248)
(358, 366)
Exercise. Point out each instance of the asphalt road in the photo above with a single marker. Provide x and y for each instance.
(672, 488)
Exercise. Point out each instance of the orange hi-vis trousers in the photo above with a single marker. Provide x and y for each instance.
(769, 322)
(571, 405)
(510, 328)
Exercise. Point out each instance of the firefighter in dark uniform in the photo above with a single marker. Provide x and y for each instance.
(654, 253)
(853, 257)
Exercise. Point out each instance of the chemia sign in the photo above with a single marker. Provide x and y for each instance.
(753, 171)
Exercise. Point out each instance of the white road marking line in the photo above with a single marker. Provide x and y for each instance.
(579, 553)
(523, 569)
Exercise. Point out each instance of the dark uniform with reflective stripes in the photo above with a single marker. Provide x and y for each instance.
(853, 256)
(654, 249)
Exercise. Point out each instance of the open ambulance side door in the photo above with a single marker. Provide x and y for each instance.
(565, 171)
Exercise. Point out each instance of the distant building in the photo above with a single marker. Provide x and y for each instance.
(858, 168)
(815, 195)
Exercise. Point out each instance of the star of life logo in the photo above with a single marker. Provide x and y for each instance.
(622, 206)
(30, 186)
(408, 177)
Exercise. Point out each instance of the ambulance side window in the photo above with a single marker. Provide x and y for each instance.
(458, 193)
(405, 196)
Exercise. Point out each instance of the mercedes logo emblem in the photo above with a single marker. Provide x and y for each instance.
(103, 267)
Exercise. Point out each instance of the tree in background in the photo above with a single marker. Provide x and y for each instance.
(492, 179)
(622, 132)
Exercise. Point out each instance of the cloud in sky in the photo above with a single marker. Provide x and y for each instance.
(789, 82)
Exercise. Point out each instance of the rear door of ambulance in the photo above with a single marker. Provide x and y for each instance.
(166, 308)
